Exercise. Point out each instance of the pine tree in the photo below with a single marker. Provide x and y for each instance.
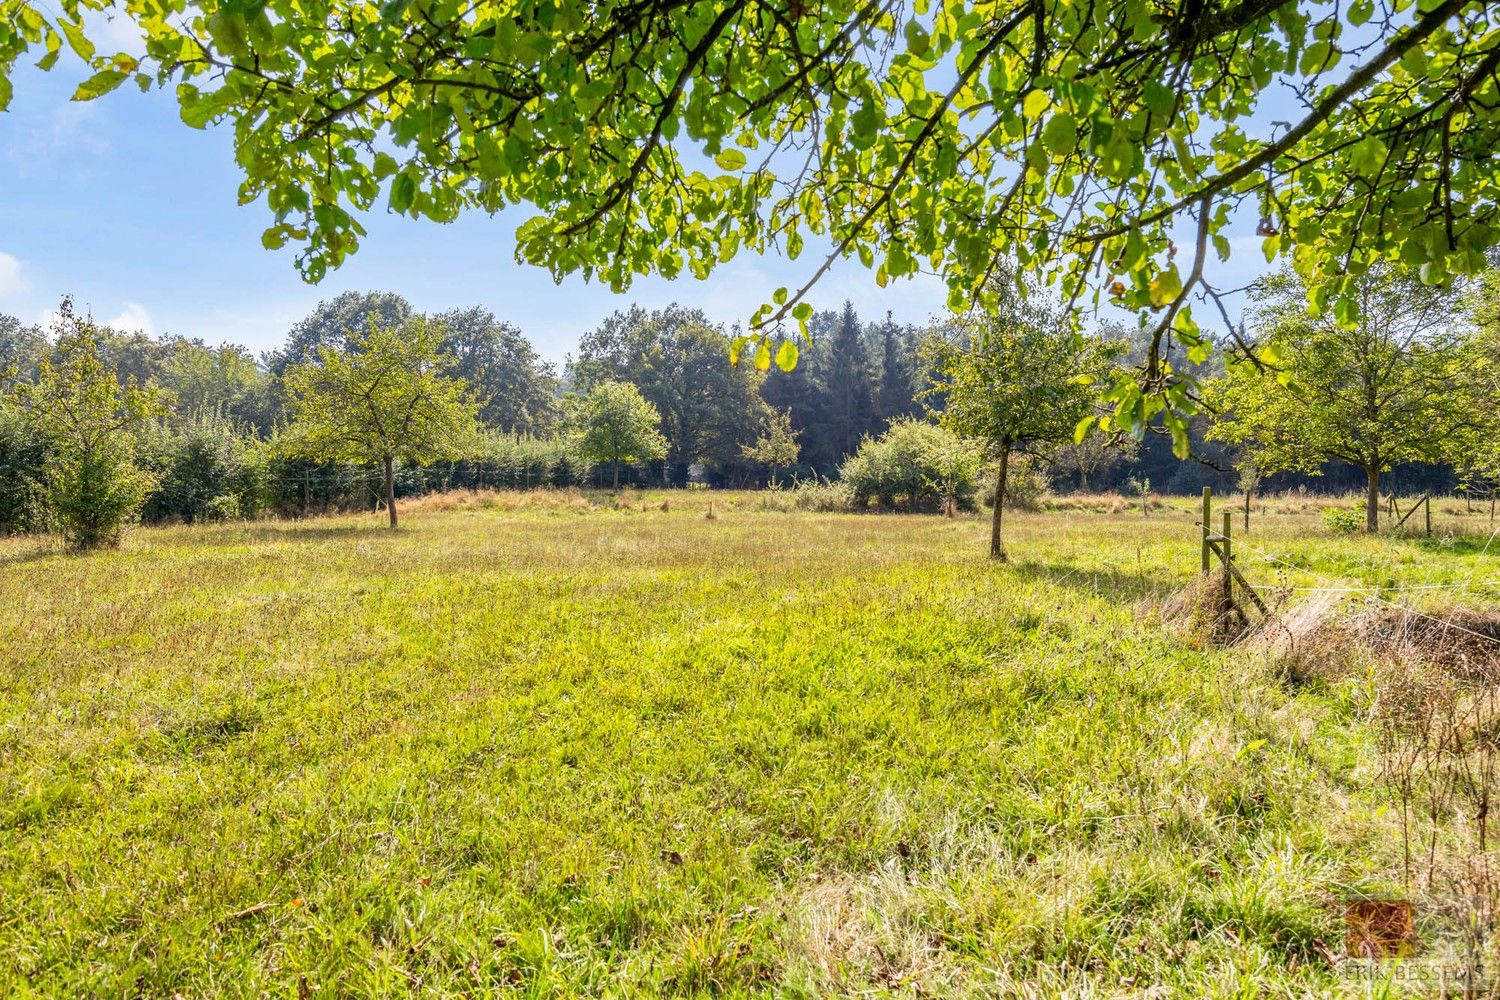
(849, 407)
(898, 390)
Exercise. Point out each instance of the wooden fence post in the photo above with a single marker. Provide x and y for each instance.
(1428, 507)
(1207, 503)
(1228, 551)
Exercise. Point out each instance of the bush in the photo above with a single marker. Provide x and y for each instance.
(1344, 520)
(201, 463)
(23, 491)
(915, 466)
(223, 508)
(511, 462)
(1026, 485)
(822, 496)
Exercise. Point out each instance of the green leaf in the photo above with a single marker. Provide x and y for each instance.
(786, 356)
(1165, 287)
(1158, 97)
(76, 40)
(730, 159)
(5, 91)
(1060, 135)
(99, 84)
(403, 192)
(1367, 156)
(762, 356)
(802, 312)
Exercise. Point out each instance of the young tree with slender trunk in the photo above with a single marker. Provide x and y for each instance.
(777, 445)
(1020, 380)
(387, 399)
(1396, 384)
(87, 421)
(614, 423)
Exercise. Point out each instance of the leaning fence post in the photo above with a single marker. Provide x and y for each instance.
(1227, 553)
(1207, 503)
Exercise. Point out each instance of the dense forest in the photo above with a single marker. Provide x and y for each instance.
(211, 449)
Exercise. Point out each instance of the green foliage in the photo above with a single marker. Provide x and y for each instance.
(1079, 138)
(200, 466)
(1396, 385)
(916, 466)
(225, 507)
(23, 491)
(1344, 520)
(614, 423)
(710, 408)
(335, 323)
(516, 389)
(388, 397)
(87, 421)
(206, 382)
(777, 446)
(1027, 486)
(513, 462)
(1021, 378)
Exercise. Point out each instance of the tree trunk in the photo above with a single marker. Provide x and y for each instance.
(997, 547)
(617, 473)
(390, 489)
(1372, 499)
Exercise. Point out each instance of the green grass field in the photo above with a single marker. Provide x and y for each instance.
(549, 749)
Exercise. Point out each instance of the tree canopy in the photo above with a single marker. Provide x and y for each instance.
(1020, 379)
(1082, 140)
(386, 399)
(1405, 384)
(679, 361)
(613, 422)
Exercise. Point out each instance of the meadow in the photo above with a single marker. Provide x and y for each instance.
(549, 744)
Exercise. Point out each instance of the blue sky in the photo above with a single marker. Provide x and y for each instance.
(119, 204)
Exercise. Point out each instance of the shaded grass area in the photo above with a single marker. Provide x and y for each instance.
(556, 750)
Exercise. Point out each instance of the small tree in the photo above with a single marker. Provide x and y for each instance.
(1397, 386)
(88, 420)
(614, 423)
(1097, 453)
(1018, 380)
(777, 445)
(386, 399)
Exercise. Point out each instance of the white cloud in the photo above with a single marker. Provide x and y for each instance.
(133, 317)
(12, 281)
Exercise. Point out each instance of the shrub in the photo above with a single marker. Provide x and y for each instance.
(1026, 485)
(204, 461)
(87, 420)
(913, 465)
(1344, 520)
(822, 496)
(223, 508)
(23, 493)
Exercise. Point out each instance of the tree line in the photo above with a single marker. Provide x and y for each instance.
(367, 400)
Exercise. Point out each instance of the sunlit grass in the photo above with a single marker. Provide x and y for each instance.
(533, 745)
